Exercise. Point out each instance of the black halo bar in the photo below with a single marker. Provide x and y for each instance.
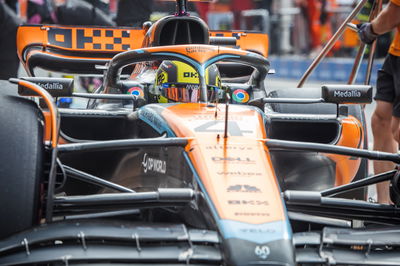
(122, 144)
(327, 148)
(360, 183)
(82, 176)
(104, 96)
(168, 195)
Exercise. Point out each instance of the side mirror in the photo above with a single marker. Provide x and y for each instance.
(347, 94)
(56, 87)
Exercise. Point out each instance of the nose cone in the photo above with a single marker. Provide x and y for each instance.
(257, 244)
(245, 253)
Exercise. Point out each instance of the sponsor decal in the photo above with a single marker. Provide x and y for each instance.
(153, 165)
(244, 160)
(190, 75)
(238, 173)
(192, 86)
(257, 230)
(347, 94)
(212, 117)
(51, 86)
(240, 96)
(93, 39)
(248, 202)
(244, 188)
(262, 252)
(136, 91)
(251, 214)
(259, 234)
(198, 49)
(232, 148)
(153, 119)
(161, 78)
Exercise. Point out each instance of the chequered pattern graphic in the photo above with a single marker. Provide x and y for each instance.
(91, 39)
(103, 39)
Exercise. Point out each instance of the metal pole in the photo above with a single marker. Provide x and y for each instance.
(331, 42)
(375, 11)
(357, 64)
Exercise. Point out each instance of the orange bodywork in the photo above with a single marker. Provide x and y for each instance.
(236, 172)
(351, 136)
(89, 39)
(103, 43)
(225, 164)
(255, 42)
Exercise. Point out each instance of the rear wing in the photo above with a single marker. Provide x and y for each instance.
(250, 41)
(73, 49)
(77, 49)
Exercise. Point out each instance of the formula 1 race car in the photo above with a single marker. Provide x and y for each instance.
(184, 156)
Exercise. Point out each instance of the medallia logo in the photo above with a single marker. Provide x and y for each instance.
(347, 94)
(153, 165)
(51, 86)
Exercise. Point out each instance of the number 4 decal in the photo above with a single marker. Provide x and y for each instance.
(233, 128)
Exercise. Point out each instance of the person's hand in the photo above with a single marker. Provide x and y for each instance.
(366, 34)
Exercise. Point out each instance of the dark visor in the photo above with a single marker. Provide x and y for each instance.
(186, 93)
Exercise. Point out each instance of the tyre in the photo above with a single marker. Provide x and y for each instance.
(21, 157)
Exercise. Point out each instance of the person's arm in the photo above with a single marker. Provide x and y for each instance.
(387, 20)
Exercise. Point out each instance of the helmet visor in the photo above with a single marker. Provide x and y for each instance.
(186, 93)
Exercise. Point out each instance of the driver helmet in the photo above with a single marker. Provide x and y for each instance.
(179, 82)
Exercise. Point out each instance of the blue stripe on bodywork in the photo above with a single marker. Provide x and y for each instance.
(155, 120)
(188, 59)
(218, 58)
(210, 203)
(258, 233)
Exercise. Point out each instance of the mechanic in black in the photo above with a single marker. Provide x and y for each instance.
(385, 120)
(9, 22)
(134, 13)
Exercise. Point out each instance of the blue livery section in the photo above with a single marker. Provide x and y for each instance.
(257, 233)
(151, 115)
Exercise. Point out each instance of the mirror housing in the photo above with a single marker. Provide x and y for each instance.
(347, 94)
(56, 87)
